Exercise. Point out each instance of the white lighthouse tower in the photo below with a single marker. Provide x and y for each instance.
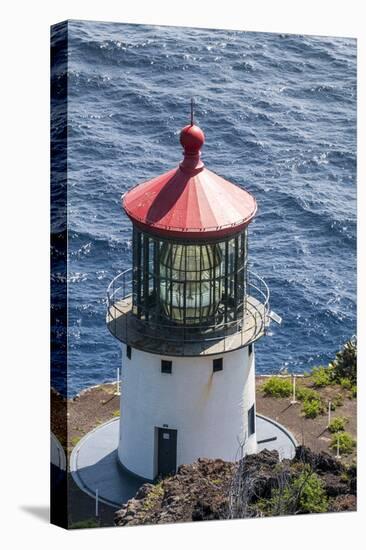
(187, 314)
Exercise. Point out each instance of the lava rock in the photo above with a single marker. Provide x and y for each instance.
(215, 489)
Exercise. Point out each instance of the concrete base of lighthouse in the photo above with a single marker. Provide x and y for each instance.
(94, 463)
(168, 419)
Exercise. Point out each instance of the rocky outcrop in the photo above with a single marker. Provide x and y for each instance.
(198, 491)
(338, 479)
(215, 489)
(321, 462)
(343, 503)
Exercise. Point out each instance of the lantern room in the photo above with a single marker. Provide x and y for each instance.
(189, 291)
(195, 285)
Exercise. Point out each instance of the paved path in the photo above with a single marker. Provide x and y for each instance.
(273, 436)
(94, 464)
(58, 457)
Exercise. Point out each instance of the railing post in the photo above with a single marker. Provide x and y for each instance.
(338, 453)
(293, 400)
(118, 383)
(329, 412)
(96, 502)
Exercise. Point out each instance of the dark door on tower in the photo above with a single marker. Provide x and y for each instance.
(167, 451)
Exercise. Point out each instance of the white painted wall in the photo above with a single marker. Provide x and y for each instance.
(209, 410)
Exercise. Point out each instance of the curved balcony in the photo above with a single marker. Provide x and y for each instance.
(166, 338)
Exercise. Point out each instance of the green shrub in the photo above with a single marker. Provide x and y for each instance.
(354, 392)
(313, 497)
(346, 442)
(307, 394)
(337, 424)
(303, 494)
(155, 494)
(338, 400)
(311, 408)
(277, 387)
(312, 402)
(321, 376)
(345, 383)
(345, 362)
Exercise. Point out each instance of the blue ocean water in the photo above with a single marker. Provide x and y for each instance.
(279, 114)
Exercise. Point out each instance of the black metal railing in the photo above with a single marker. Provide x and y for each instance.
(159, 333)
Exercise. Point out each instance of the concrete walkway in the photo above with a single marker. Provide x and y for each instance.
(273, 436)
(94, 464)
(58, 457)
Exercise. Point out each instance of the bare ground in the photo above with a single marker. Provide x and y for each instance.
(311, 432)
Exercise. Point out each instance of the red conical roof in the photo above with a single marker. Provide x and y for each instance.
(190, 201)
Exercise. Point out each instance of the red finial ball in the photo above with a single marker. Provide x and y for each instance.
(192, 138)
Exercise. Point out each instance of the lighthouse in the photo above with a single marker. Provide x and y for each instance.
(188, 314)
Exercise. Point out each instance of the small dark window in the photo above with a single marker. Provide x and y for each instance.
(128, 352)
(250, 349)
(217, 364)
(166, 367)
(251, 421)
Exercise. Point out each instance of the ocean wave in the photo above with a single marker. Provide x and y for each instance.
(246, 66)
(99, 241)
(321, 92)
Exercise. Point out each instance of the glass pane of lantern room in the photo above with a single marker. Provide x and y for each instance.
(192, 273)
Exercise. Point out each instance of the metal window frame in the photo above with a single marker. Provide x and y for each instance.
(227, 280)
